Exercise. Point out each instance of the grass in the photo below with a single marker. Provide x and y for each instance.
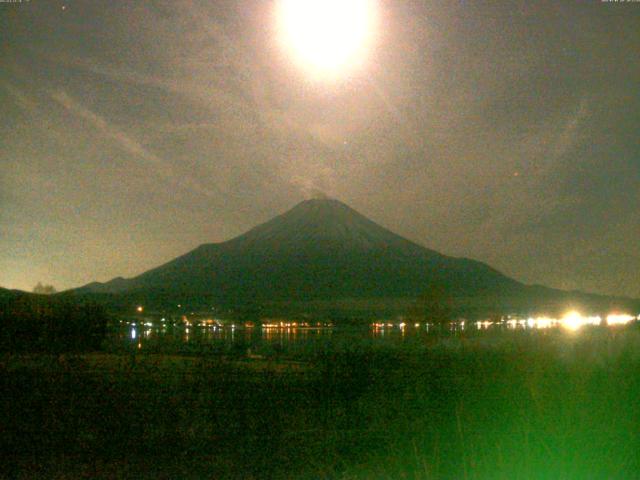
(524, 405)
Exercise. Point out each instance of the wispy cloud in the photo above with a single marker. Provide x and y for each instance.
(127, 143)
(570, 131)
(204, 93)
(23, 100)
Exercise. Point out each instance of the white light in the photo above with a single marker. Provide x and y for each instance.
(512, 323)
(616, 319)
(544, 322)
(573, 321)
(326, 36)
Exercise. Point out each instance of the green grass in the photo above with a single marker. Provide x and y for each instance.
(516, 405)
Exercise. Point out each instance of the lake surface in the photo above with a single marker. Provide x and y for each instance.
(294, 338)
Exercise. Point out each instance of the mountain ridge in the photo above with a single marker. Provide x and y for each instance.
(319, 250)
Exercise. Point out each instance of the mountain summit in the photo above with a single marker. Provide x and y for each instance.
(319, 251)
(323, 222)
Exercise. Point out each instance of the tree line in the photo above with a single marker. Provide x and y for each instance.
(50, 324)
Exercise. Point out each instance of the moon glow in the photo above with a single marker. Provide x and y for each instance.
(327, 37)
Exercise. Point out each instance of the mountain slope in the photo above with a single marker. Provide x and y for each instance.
(321, 250)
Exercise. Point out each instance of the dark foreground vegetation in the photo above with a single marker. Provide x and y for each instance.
(42, 323)
(518, 405)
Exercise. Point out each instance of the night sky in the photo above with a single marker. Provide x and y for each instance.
(507, 132)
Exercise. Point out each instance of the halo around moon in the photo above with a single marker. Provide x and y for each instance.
(329, 38)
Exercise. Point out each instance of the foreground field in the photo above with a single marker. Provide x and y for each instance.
(518, 405)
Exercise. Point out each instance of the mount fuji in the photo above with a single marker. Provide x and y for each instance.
(324, 252)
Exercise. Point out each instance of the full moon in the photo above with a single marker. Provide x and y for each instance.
(327, 37)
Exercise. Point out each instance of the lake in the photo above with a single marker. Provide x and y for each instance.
(295, 338)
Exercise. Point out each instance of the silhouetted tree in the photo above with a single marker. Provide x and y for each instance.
(44, 289)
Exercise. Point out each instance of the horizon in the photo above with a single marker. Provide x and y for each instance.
(326, 202)
(502, 133)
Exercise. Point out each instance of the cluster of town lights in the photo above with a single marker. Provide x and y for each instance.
(287, 325)
(570, 321)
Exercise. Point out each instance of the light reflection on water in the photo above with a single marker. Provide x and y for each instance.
(158, 336)
(274, 336)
